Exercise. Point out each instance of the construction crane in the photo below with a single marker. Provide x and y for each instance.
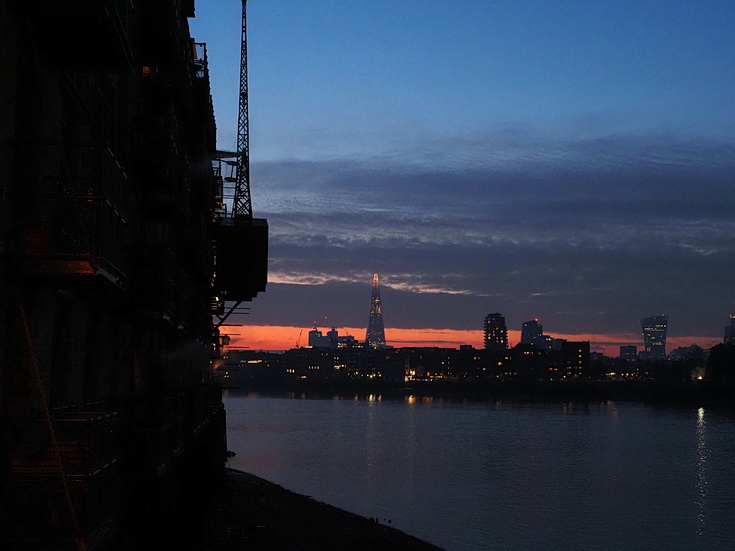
(242, 241)
(236, 177)
(241, 205)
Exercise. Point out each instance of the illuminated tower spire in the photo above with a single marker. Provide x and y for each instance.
(375, 331)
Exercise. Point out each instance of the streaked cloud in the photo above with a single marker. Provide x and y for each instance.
(300, 278)
(589, 235)
(575, 165)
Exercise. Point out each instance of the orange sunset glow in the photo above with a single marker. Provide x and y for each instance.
(278, 337)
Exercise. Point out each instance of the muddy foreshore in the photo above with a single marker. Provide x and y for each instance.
(247, 512)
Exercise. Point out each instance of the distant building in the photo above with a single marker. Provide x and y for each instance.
(496, 332)
(654, 336)
(531, 331)
(547, 342)
(730, 331)
(526, 361)
(555, 344)
(331, 340)
(375, 336)
(576, 358)
(691, 353)
(629, 352)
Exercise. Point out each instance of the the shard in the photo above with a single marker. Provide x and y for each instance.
(376, 330)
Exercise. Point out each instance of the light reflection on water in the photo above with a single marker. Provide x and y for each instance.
(701, 476)
(492, 475)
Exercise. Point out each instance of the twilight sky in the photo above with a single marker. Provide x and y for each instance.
(566, 160)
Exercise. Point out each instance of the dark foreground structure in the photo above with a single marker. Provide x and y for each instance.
(112, 250)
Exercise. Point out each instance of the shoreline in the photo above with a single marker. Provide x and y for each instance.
(247, 512)
(691, 394)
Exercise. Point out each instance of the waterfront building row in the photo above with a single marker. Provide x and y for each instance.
(365, 363)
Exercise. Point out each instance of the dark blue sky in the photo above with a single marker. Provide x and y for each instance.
(567, 160)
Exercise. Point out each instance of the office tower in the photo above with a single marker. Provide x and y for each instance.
(575, 358)
(654, 335)
(531, 331)
(496, 333)
(730, 331)
(375, 331)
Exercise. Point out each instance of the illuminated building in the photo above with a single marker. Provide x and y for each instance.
(496, 332)
(576, 358)
(730, 331)
(654, 336)
(376, 330)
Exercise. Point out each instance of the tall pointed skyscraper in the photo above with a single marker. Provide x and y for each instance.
(375, 331)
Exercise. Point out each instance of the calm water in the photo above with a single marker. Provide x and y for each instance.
(487, 475)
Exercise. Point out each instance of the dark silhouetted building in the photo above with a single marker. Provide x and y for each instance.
(331, 340)
(496, 332)
(526, 361)
(654, 336)
(531, 331)
(730, 331)
(629, 352)
(109, 189)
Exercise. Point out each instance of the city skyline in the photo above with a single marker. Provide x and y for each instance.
(261, 337)
(572, 163)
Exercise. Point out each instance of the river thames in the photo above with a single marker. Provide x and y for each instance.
(476, 475)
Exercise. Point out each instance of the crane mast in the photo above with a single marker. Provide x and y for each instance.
(241, 241)
(241, 205)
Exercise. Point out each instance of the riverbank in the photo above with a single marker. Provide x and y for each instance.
(686, 393)
(247, 512)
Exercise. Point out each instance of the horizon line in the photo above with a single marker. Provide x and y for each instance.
(288, 337)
